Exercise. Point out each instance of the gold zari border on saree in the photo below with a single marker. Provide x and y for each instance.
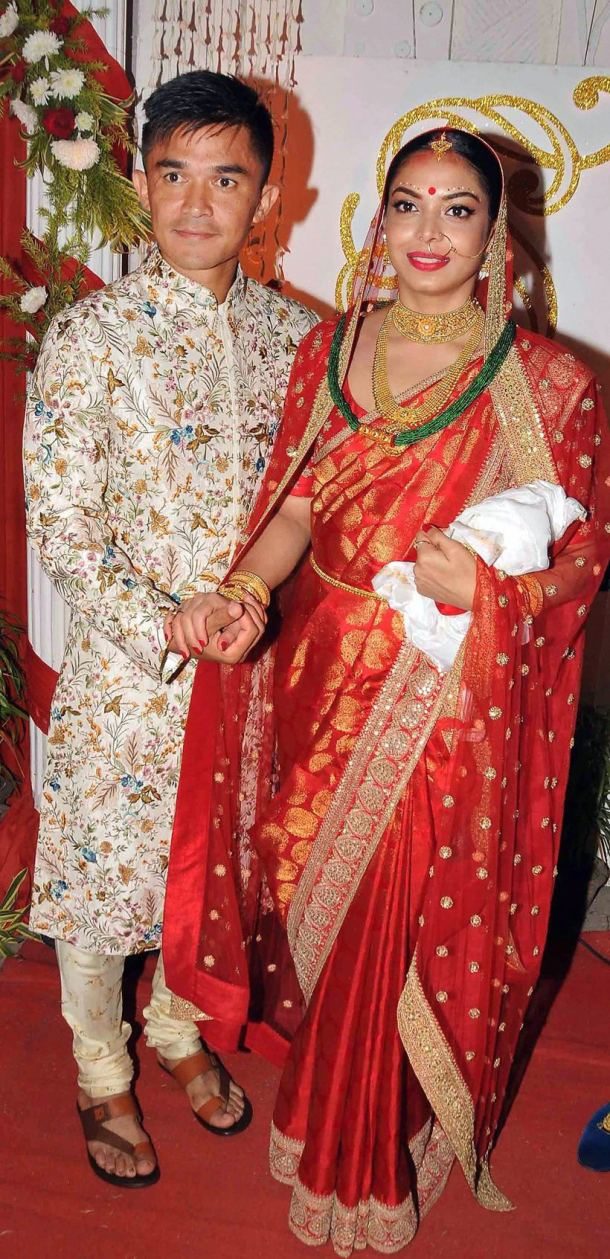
(318, 1218)
(377, 774)
(447, 1092)
(526, 443)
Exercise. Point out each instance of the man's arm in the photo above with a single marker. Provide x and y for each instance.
(66, 472)
(274, 556)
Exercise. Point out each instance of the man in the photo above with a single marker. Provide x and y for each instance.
(152, 412)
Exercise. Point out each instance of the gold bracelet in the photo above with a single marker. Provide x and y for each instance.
(237, 590)
(250, 583)
(255, 583)
(230, 590)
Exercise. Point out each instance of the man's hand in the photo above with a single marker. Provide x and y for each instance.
(197, 629)
(444, 570)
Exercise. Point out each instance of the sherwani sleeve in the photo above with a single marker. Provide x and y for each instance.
(66, 455)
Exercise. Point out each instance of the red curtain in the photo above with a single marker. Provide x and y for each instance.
(12, 385)
(18, 826)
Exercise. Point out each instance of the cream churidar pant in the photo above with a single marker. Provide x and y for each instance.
(92, 1005)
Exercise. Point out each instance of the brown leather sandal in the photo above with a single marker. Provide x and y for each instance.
(187, 1069)
(93, 1119)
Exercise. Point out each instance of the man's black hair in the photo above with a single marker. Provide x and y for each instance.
(205, 99)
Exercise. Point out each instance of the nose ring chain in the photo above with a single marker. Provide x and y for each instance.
(451, 249)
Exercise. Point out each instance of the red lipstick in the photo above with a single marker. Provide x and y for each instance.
(428, 262)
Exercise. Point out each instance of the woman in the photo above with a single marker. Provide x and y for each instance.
(410, 847)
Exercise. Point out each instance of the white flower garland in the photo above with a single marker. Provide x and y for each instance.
(72, 128)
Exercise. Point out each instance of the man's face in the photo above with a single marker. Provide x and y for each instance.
(203, 191)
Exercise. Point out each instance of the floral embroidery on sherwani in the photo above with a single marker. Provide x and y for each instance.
(151, 416)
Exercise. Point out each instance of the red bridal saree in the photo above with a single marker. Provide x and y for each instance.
(410, 844)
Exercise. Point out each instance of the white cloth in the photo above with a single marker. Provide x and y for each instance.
(511, 531)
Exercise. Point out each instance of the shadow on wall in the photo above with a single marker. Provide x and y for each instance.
(291, 170)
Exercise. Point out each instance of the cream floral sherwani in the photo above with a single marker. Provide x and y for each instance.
(151, 416)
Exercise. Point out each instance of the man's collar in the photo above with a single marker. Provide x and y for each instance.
(166, 278)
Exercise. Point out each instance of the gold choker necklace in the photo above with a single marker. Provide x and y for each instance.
(433, 329)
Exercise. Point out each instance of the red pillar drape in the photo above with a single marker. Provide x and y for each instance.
(18, 826)
(13, 587)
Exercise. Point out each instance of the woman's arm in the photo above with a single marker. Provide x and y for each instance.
(273, 557)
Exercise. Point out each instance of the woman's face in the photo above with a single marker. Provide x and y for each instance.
(437, 227)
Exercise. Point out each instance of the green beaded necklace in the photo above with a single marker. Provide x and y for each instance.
(408, 437)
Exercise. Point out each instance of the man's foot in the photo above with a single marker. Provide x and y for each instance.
(216, 1100)
(119, 1149)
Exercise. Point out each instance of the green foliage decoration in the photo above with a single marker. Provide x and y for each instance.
(12, 927)
(12, 686)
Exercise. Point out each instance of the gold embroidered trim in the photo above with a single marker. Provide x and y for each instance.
(444, 1086)
(180, 1008)
(493, 476)
(317, 1218)
(524, 434)
(495, 313)
(376, 776)
(387, 1230)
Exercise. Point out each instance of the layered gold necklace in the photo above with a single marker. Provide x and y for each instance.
(427, 329)
(435, 328)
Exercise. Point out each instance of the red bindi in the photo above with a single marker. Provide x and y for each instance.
(432, 191)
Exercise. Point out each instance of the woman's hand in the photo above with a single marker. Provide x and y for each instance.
(197, 628)
(444, 570)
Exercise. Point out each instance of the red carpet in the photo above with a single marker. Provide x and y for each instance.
(216, 1198)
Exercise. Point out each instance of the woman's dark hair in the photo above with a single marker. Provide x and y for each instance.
(205, 99)
(466, 145)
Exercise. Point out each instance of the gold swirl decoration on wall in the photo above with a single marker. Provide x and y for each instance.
(562, 158)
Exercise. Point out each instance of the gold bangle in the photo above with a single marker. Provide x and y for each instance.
(239, 591)
(230, 590)
(252, 584)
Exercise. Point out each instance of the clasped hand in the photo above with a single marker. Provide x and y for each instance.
(210, 627)
(444, 570)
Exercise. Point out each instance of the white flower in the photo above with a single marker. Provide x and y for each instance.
(67, 83)
(84, 121)
(39, 91)
(76, 154)
(26, 115)
(41, 44)
(9, 21)
(33, 300)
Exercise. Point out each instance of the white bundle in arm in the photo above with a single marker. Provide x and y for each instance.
(511, 531)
